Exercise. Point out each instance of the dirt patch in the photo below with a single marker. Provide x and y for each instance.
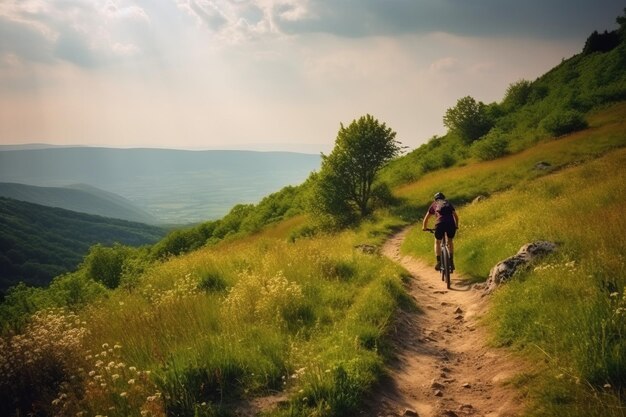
(443, 365)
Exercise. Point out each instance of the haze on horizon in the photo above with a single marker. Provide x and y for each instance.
(267, 74)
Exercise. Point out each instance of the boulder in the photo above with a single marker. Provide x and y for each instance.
(478, 199)
(527, 254)
(368, 249)
(542, 165)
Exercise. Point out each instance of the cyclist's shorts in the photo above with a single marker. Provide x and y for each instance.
(447, 228)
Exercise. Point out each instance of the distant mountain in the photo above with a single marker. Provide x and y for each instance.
(38, 243)
(176, 186)
(78, 197)
(28, 146)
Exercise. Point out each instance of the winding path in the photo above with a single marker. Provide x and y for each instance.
(444, 366)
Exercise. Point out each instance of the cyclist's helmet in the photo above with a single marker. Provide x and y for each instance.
(440, 196)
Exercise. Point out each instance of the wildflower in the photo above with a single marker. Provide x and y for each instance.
(56, 401)
(132, 369)
(105, 346)
(614, 294)
(115, 377)
(131, 381)
(144, 413)
(92, 373)
(117, 346)
(111, 364)
(123, 394)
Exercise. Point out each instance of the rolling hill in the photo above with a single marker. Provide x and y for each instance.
(38, 243)
(175, 186)
(81, 198)
(279, 316)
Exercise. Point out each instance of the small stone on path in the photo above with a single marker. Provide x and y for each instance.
(438, 393)
(466, 385)
(458, 311)
(410, 413)
(436, 385)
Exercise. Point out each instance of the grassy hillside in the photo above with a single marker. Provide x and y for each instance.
(38, 243)
(263, 303)
(81, 198)
(567, 311)
(199, 333)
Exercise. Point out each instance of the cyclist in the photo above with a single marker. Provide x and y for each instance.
(446, 221)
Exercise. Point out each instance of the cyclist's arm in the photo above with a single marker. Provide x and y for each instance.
(456, 218)
(425, 222)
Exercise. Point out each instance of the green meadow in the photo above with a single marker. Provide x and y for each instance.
(270, 305)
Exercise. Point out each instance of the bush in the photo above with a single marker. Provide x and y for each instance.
(39, 363)
(104, 264)
(493, 145)
(563, 122)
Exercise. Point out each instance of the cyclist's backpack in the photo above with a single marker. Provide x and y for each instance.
(444, 208)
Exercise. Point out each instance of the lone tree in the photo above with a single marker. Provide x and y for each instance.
(469, 119)
(344, 184)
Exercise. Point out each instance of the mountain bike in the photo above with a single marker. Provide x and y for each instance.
(446, 265)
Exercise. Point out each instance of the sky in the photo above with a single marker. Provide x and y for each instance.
(268, 74)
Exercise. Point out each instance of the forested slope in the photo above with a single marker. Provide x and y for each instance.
(38, 243)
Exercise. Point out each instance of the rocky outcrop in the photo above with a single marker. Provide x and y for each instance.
(478, 199)
(527, 254)
(368, 249)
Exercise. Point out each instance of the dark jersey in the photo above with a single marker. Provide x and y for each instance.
(443, 211)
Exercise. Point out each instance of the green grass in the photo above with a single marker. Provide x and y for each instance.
(569, 308)
(308, 318)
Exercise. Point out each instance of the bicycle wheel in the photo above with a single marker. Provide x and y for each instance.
(445, 266)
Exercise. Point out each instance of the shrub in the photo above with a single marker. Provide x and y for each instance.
(563, 122)
(493, 145)
(271, 300)
(104, 264)
(39, 363)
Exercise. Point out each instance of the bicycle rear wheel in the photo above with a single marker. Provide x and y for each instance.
(445, 266)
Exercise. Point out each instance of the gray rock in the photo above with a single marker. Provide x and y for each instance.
(527, 254)
(542, 165)
(410, 413)
(478, 199)
(368, 249)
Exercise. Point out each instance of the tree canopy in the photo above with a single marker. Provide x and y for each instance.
(349, 171)
(469, 119)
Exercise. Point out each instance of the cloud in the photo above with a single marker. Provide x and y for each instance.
(446, 64)
(531, 18)
(85, 33)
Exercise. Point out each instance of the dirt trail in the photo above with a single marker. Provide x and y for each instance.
(444, 366)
